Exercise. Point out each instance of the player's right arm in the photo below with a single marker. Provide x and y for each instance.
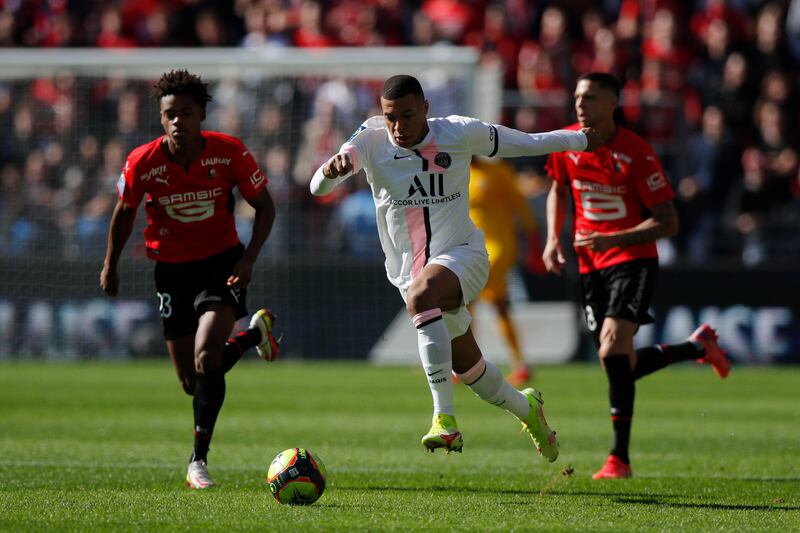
(553, 256)
(344, 164)
(119, 231)
(130, 192)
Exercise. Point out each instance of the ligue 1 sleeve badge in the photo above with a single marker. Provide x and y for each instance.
(443, 160)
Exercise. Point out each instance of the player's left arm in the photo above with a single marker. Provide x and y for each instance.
(500, 141)
(262, 226)
(662, 223)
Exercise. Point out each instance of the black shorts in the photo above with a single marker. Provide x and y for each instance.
(621, 291)
(185, 290)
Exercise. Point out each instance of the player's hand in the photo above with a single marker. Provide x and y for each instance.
(595, 241)
(339, 165)
(242, 273)
(553, 257)
(593, 140)
(109, 281)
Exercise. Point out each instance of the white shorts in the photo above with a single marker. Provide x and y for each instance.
(471, 264)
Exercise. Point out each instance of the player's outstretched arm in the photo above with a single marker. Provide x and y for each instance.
(119, 231)
(553, 256)
(515, 143)
(329, 175)
(242, 271)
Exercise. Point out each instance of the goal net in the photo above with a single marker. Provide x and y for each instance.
(70, 117)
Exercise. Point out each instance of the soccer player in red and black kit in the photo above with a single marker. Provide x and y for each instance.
(202, 271)
(622, 205)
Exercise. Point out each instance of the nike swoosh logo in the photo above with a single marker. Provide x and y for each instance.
(433, 373)
(403, 157)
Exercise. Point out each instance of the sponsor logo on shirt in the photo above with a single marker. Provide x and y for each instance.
(656, 181)
(163, 181)
(153, 172)
(209, 161)
(257, 178)
(192, 196)
(422, 192)
(582, 185)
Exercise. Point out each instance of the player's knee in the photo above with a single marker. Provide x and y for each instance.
(205, 362)
(421, 297)
(188, 384)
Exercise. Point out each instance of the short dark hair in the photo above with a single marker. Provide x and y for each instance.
(401, 85)
(604, 80)
(182, 82)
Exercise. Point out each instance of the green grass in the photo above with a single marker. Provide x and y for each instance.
(102, 447)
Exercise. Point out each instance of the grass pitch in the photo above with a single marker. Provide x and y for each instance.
(103, 447)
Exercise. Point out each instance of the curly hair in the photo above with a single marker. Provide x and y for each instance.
(182, 82)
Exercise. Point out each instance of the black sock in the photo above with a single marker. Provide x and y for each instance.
(237, 345)
(208, 397)
(652, 358)
(621, 392)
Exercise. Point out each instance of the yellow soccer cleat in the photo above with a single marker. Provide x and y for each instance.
(269, 346)
(543, 437)
(444, 433)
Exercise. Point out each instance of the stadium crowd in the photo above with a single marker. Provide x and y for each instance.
(712, 84)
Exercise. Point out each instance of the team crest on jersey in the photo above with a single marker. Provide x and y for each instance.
(443, 159)
(359, 130)
(212, 173)
(655, 181)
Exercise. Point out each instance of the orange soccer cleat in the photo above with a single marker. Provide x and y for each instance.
(714, 355)
(613, 469)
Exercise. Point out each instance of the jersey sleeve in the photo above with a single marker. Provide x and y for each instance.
(249, 178)
(556, 167)
(480, 138)
(357, 145)
(651, 182)
(130, 189)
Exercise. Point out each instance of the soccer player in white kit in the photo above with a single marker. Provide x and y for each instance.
(418, 169)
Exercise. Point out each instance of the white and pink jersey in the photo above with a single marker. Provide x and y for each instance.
(421, 194)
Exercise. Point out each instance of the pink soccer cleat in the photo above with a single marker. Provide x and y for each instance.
(613, 469)
(714, 355)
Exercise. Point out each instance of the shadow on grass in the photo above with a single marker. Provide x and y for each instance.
(712, 506)
(640, 498)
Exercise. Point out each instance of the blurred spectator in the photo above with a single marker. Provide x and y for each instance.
(771, 51)
(450, 18)
(309, 32)
(493, 39)
(713, 164)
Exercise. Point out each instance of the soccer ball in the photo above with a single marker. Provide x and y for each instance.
(297, 476)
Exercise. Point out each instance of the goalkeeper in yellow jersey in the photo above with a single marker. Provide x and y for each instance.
(498, 207)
